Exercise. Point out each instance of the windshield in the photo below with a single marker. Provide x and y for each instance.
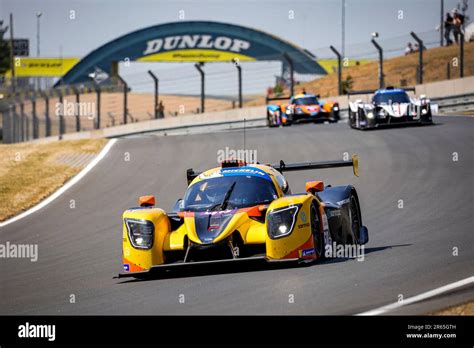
(306, 101)
(390, 98)
(245, 191)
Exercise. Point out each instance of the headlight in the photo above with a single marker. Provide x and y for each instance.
(280, 222)
(140, 233)
(370, 115)
(335, 108)
(424, 111)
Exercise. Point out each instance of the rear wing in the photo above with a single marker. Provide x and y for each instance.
(282, 167)
(290, 167)
(372, 91)
(277, 98)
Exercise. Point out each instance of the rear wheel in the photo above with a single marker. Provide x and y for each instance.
(334, 116)
(318, 237)
(355, 218)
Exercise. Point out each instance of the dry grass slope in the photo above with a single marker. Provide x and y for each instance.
(462, 309)
(395, 69)
(31, 172)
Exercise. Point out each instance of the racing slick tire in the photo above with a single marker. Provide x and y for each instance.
(355, 219)
(289, 121)
(334, 116)
(427, 119)
(318, 236)
(352, 119)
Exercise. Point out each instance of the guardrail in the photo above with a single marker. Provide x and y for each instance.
(231, 119)
(455, 103)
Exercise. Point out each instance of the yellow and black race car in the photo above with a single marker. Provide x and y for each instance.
(242, 212)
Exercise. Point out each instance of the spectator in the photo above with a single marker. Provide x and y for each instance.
(458, 20)
(303, 91)
(416, 47)
(409, 49)
(161, 109)
(269, 92)
(448, 28)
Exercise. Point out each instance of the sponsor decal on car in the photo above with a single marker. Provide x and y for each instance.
(303, 216)
(333, 213)
(222, 213)
(126, 267)
(245, 171)
(327, 235)
(307, 252)
(303, 225)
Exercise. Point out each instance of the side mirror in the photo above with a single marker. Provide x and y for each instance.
(178, 206)
(146, 201)
(314, 186)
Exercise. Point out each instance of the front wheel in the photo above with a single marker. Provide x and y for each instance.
(289, 121)
(318, 237)
(352, 119)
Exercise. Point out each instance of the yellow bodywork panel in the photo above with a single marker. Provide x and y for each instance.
(191, 230)
(141, 258)
(301, 237)
(251, 231)
(175, 240)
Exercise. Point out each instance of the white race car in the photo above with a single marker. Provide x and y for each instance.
(389, 106)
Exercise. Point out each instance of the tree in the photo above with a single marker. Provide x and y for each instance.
(4, 51)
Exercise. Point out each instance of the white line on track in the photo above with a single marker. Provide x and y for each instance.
(420, 297)
(64, 188)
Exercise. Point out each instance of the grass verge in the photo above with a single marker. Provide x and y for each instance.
(462, 309)
(31, 172)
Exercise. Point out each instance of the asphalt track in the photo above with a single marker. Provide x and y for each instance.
(410, 249)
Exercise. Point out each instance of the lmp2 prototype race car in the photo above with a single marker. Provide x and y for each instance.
(301, 107)
(389, 107)
(242, 212)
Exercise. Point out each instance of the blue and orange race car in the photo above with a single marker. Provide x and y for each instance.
(299, 108)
